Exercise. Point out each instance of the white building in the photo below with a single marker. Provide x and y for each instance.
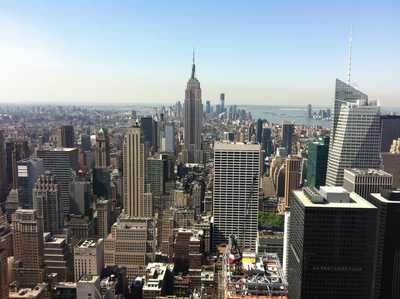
(236, 185)
(88, 258)
(356, 140)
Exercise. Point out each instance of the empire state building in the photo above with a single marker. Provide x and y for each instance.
(192, 152)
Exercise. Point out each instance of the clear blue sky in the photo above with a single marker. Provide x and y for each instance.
(258, 52)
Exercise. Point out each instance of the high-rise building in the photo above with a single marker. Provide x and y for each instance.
(135, 203)
(391, 164)
(3, 178)
(222, 102)
(148, 127)
(317, 162)
(46, 201)
(259, 130)
(102, 149)
(57, 257)
(287, 137)
(103, 209)
(331, 244)
(88, 258)
(3, 274)
(266, 141)
(28, 247)
(193, 120)
(390, 126)
(170, 139)
(63, 164)
(356, 141)
(86, 144)
(67, 136)
(236, 183)
(387, 266)
(364, 181)
(309, 111)
(344, 93)
(208, 107)
(293, 181)
(28, 171)
(131, 244)
(81, 195)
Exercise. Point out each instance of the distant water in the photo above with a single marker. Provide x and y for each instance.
(278, 114)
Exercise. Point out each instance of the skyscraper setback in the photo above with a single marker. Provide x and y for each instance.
(192, 152)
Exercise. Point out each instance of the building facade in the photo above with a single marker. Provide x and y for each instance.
(236, 184)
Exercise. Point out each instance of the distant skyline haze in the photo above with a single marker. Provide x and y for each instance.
(257, 52)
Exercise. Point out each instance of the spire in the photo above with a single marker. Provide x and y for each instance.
(350, 54)
(193, 66)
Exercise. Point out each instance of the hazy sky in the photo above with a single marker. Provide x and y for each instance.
(257, 52)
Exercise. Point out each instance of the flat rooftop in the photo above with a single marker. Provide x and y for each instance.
(367, 172)
(236, 146)
(355, 202)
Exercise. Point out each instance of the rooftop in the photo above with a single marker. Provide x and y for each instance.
(354, 201)
(367, 172)
(89, 243)
(236, 146)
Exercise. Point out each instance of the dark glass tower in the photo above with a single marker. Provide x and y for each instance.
(390, 125)
(331, 245)
(317, 162)
(287, 136)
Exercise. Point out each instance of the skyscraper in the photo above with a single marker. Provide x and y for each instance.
(28, 171)
(67, 136)
(47, 203)
(28, 247)
(292, 177)
(3, 178)
(103, 209)
(356, 140)
(331, 245)
(287, 137)
(317, 162)
(208, 107)
(387, 266)
(259, 130)
(170, 141)
(63, 164)
(3, 274)
(193, 120)
(102, 149)
(135, 203)
(148, 127)
(236, 183)
(266, 143)
(365, 181)
(222, 102)
(390, 126)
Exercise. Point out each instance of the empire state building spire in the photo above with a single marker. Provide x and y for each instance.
(193, 67)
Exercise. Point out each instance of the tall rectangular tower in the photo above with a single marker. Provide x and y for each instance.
(28, 247)
(67, 136)
(317, 162)
(236, 185)
(331, 245)
(293, 171)
(46, 201)
(356, 140)
(387, 269)
(28, 171)
(287, 137)
(135, 203)
(63, 164)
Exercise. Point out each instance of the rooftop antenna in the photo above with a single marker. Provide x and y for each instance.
(350, 54)
(193, 66)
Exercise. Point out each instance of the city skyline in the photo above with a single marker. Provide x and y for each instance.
(264, 54)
